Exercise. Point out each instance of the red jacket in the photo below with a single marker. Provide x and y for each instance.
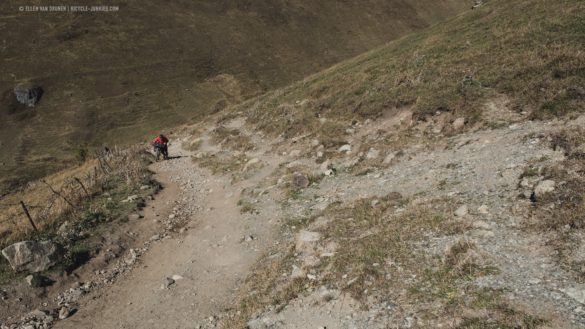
(159, 140)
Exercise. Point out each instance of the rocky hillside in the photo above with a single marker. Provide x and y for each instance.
(113, 77)
(435, 182)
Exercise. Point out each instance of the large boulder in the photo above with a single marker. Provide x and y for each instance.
(32, 256)
(28, 94)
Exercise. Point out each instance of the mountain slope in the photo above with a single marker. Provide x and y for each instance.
(113, 77)
(525, 54)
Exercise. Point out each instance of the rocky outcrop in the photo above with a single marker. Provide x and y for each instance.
(28, 94)
(32, 256)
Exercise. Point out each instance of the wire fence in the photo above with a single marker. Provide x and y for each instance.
(41, 202)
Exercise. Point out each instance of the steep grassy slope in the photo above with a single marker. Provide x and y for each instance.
(114, 77)
(530, 52)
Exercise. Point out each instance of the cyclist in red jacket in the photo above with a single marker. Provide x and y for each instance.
(160, 144)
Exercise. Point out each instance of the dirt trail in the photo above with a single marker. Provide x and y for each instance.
(215, 251)
(208, 258)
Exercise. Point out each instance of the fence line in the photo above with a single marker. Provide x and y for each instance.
(71, 196)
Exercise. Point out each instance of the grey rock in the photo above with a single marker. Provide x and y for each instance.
(372, 154)
(297, 273)
(32, 256)
(577, 293)
(299, 180)
(459, 123)
(64, 313)
(483, 210)
(388, 159)
(306, 241)
(462, 211)
(345, 148)
(544, 187)
(168, 282)
(28, 94)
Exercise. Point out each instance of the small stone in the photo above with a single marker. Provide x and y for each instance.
(483, 210)
(133, 217)
(36, 280)
(297, 273)
(299, 180)
(577, 294)
(132, 198)
(294, 153)
(345, 148)
(131, 258)
(388, 159)
(172, 216)
(459, 123)
(168, 282)
(249, 238)
(462, 211)
(373, 154)
(144, 187)
(306, 241)
(176, 277)
(481, 225)
(544, 187)
(64, 313)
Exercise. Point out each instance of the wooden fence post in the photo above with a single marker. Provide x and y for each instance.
(32, 223)
(82, 186)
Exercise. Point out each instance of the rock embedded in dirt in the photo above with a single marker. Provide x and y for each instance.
(544, 187)
(458, 124)
(294, 153)
(28, 94)
(32, 256)
(64, 313)
(131, 258)
(167, 283)
(131, 198)
(388, 159)
(483, 210)
(36, 280)
(345, 148)
(306, 241)
(299, 181)
(462, 211)
(577, 293)
(297, 273)
(133, 217)
(43, 317)
(372, 154)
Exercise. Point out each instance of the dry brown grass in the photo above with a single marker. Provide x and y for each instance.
(561, 213)
(382, 255)
(232, 139)
(136, 86)
(74, 186)
(526, 50)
